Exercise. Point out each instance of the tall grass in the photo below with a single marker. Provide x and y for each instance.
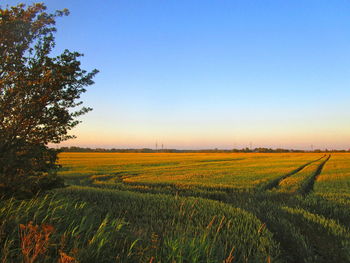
(99, 225)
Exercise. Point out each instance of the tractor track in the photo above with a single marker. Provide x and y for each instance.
(308, 185)
(275, 182)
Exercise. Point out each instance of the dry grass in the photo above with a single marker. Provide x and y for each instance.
(34, 240)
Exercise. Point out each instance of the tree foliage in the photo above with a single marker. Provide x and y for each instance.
(39, 96)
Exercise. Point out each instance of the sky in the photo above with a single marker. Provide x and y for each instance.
(198, 74)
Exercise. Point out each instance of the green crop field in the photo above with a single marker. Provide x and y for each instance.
(187, 207)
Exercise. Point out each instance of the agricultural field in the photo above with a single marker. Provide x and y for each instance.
(186, 207)
(238, 171)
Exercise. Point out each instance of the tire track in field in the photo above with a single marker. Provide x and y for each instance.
(275, 182)
(308, 184)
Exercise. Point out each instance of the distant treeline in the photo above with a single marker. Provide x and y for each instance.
(148, 150)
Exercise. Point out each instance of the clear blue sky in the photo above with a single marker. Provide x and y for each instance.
(206, 74)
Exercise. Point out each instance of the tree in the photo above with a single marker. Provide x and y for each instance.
(39, 97)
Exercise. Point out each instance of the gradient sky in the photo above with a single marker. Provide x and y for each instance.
(207, 74)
